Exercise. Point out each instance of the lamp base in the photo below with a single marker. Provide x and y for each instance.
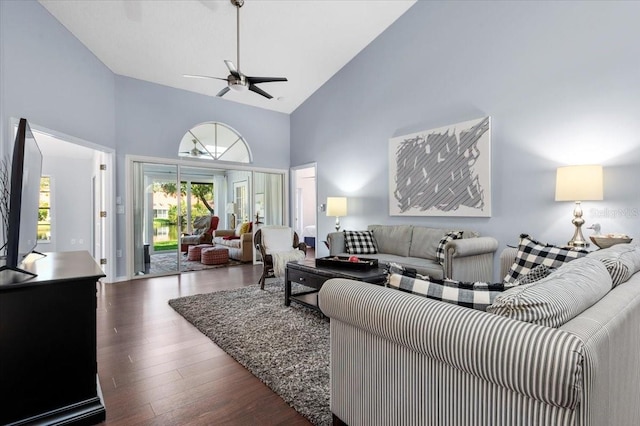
(337, 224)
(578, 240)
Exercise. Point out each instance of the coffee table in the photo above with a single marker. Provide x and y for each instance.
(306, 272)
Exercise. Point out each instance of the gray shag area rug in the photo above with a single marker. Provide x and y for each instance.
(287, 348)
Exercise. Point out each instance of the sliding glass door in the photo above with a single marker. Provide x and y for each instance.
(156, 214)
(168, 199)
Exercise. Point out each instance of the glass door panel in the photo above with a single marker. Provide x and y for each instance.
(155, 221)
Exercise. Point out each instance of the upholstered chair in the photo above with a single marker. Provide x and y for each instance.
(277, 246)
(203, 232)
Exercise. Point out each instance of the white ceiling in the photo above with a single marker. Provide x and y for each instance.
(307, 41)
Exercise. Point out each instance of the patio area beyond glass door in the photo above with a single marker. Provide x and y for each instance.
(156, 217)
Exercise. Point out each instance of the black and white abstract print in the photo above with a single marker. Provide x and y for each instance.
(442, 172)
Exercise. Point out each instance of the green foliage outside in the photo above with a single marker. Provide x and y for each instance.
(203, 206)
(165, 245)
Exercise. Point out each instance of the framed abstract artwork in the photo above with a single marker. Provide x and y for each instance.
(442, 172)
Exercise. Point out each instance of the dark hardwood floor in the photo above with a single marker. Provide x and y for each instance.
(156, 368)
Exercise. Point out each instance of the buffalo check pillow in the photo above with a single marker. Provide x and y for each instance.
(449, 236)
(360, 242)
(532, 253)
(476, 295)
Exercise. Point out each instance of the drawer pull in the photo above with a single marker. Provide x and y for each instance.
(301, 279)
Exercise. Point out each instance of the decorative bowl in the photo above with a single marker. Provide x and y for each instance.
(603, 241)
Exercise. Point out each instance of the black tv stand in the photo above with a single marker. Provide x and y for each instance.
(48, 368)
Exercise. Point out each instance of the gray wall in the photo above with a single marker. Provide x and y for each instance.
(559, 79)
(71, 203)
(50, 78)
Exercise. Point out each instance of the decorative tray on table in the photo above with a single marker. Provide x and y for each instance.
(361, 264)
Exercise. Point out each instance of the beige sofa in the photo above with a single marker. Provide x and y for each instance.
(239, 249)
(466, 259)
(398, 358)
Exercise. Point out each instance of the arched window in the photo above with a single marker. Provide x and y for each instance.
(215, 141)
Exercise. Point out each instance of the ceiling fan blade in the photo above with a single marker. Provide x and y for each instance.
(232, 68)
(259, 91)
(223, 91)
(203, 76)
(256, 80)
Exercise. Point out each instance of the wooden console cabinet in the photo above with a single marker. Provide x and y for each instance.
(48, 368)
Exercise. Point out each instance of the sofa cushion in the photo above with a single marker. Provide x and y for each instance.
(449, 236)
(277, 239)
(392, 239)
(557, 298)
(532, 253)
(360, 242)
(621, 260)
(424, 241)
(476, 295)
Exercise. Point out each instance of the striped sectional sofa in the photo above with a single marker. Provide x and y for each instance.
(401, 359)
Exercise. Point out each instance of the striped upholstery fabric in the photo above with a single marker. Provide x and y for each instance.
(411, 379)
(554, 300)
(621, 260)
(507, 353)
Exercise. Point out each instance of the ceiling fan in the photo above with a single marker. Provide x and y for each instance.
(195, 152)
(236, 80)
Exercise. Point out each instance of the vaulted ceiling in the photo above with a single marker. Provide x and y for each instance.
(307, 41)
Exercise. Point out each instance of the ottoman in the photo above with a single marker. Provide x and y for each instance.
(195, 252)
(214, 256)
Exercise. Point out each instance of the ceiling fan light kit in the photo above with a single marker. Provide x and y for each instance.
(236, 80)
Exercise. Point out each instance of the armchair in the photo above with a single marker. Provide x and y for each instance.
(203, 228)
(277, 246)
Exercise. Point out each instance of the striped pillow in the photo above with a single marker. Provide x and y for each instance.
(476, 295)
(621, 260)
(559, 297)
(532, 253)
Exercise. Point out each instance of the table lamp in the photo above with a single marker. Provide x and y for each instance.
(231, 209)
(579, 183)
(337, 206)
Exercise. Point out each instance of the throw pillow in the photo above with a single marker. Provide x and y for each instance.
(532, 253)
(559, 297)
(621, 260)
(245, 227)
(477, 295)
(237, 232)
(360, 242)
(396, 268)
(449, 236)
(618, 271)
(535, 274)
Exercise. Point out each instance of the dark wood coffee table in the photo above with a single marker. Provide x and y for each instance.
(308, 274)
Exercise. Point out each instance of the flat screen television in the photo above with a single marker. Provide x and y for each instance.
(24, 201)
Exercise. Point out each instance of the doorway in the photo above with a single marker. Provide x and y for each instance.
(79, 196)
(305, 206)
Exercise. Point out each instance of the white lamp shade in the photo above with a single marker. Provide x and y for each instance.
(337, 206)
(579, 183)
(231, 207)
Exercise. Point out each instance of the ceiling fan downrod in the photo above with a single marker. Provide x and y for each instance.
(238, 4)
